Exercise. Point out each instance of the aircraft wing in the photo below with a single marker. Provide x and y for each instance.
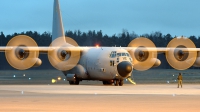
(40, 49)
(79, 48)
(22, 53)
(161, 49)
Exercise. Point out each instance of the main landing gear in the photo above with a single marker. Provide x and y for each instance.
(110, 82)
(117, 82)
(75, 81)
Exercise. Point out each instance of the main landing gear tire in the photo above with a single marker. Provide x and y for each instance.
(107, 82)
(75, 82)
(116, 82)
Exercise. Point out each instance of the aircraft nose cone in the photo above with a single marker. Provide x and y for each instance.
(124, 68)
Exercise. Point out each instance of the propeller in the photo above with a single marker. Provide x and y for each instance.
(64, 57)
(143, 58)
(20, 56)
(178, 56)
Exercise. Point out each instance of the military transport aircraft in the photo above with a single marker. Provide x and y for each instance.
(107, 64)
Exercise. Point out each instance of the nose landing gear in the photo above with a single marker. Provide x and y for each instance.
(118, 82)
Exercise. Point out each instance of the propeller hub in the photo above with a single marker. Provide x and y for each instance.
(141, 53)
(179, 54)
(64, 55)
(21, 53)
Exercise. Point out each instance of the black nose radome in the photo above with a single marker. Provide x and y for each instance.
(124, 68)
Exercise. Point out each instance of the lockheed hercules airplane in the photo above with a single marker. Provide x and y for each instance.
(107, 64)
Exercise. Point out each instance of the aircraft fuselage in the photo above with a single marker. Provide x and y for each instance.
(102, 63)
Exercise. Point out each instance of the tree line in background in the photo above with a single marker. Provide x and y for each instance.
(91, 38)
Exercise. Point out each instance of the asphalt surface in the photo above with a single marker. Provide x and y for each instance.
(155, 91)
(98, 98)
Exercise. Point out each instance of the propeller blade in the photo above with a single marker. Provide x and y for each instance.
(178, 56)
(18, 57)
(143, 59)
(63, 59)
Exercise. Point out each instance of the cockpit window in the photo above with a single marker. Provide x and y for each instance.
(127, 55)
(119, 54)
(123, 54)
(113, 54)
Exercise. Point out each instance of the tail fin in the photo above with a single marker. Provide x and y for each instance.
(58, 30)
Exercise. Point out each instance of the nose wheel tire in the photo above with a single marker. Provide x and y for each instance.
(119, 82)
(116, 82)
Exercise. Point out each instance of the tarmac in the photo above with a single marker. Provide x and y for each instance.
(99, 98)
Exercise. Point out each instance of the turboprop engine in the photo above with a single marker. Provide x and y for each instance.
(22, 52)
(197, 62)
(37, 63)
(64, 55)
(143, 53)
(181, 53)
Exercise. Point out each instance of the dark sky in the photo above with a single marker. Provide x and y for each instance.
(177, 17)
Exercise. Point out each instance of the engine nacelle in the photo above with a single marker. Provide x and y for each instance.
(80, 72)
(197, 62)
(157, 63)
(38, 63)
(77, 72)
(71, 77)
